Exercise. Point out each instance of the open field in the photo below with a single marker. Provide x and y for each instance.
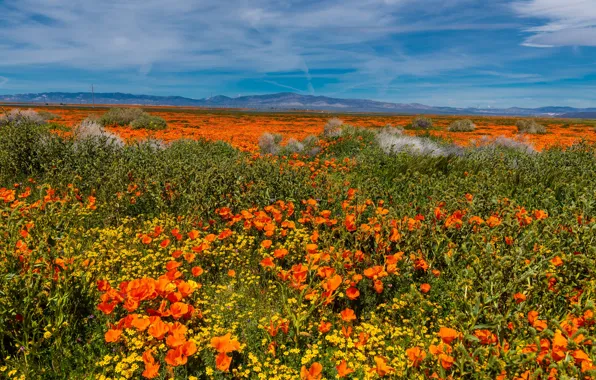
(361, 253)
(243, 128)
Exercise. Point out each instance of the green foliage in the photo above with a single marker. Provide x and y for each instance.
(51, 328)
(47, 115)
(421, 122)
(530, 126)
(120, 116)
(150, 122)
(465, 125)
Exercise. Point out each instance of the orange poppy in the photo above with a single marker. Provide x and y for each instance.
(280, 253)
(343, 370)
(332, 284)
(151, 368)
(519, 297)
(324, 327)
(348, 315)
(312, 373)
(352, 293)
(175, 357)
(158, 329)
(224, 344)
(197, 271)
(175, 340)
(267, 263)
(222, 362)
(140, 323)
(416, 355)
(448, 335)
(113, 335)
(381, 367)
(425, 288)
(178, 310)
(446, 361)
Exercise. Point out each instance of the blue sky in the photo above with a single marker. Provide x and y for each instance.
(439, 52)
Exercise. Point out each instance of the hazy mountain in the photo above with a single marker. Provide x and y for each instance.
(287, 101)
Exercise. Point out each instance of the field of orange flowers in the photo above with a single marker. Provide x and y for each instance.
(200, 260)
(243, 128)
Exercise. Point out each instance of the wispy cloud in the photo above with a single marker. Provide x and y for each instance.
(568, 22)
(260, 35)
(382, 49)
(3, 81)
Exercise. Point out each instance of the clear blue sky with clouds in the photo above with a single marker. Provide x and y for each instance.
(438, 52)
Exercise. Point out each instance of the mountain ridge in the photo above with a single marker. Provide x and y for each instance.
(286, 101)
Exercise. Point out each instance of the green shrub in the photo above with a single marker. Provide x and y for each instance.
(333, 127)
(146, 121)
(421, 122)
(120, 116)
(46, 115)
(465, 125)
(530, 126)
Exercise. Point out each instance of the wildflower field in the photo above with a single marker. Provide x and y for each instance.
(243, 128)
(359, 253)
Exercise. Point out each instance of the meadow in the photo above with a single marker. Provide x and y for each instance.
(361, 252)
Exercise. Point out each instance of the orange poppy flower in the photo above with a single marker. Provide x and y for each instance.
(266, 243)
(232, 273)
(178, 310)
(224, 344)
(485, 336)
(113, 335)
(416, 355)
(192, 235)
(343, 370)
(381, 367)
(280, 253)
(151, 368)
(158, 329)
(352, 293)
(175, 357)
(197, 271)
(348, 315)
(557, 261)
(313, 373)
(446, 361)
(448, 335)
(189, 348)
(222, 362)
(267, 263)
(140, 323)
(378, 285)
(332, 284)
(324, 327)
(519, 297)
(175, 340)
(425, 288)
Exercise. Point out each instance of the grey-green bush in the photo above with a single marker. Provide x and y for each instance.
(422, 122)
(120, 116)
(465, 125)
(18, 116)
(333, 127)
(146, 121)
(530, 126)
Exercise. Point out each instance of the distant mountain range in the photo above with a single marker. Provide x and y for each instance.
(290, 101)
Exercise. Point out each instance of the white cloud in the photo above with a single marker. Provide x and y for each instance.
(568, 22)
(3, 81)
(255, 36)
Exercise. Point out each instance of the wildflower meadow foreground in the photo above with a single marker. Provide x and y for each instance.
(356, 254)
